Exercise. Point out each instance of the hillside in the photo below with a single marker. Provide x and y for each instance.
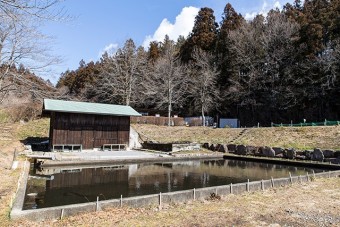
(296, 137)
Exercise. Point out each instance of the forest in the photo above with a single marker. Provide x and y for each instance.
(283, 67)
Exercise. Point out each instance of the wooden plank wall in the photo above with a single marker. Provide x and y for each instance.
(92, 131)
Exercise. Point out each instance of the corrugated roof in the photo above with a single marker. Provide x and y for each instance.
(88, 108)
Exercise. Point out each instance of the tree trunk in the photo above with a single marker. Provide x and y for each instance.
(203, 117)
(169, 114)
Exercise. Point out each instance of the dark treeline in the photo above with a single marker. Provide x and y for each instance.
(278, 68)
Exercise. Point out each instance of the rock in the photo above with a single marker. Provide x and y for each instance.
(252, 150)
(278, 150)
(290, 153)
(241, 150)
(317, 155)
(279, 156)
(332, 160)
(336, 161)
(300, 157)
(231, 147)
(225, 148)
(308, 154)
(206, 145)
(337, 154)
(28, 147)
(260, 151)
(328, 153)
(268, 152)
(221, 148)
(300, 153)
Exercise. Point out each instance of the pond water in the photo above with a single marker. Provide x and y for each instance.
(61, 186)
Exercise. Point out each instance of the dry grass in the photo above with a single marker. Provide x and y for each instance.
(36, 128)
(296, 137)
(181, 133)
(10, 136)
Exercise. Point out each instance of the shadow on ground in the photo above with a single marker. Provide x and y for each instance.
(37, 143)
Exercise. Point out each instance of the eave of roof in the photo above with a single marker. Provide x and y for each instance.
(52, 105)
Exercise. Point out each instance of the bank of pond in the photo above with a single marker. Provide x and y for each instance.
(58, 186)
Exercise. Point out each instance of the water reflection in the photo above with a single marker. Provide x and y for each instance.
(54, 186)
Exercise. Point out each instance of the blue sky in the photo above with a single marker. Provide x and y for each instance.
(107, 24)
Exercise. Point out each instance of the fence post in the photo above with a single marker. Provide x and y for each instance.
(307, 177)
(62, 214)
(290, 177)
(231, 188)
(121, 200)
(160, 199)
(272, 182)
(97, 204)
(248, 186)
(262, 185)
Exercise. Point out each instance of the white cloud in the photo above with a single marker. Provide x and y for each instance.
(183, 25)
(267, 5)
(110, 49)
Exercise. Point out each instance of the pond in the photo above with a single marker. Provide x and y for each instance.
(53, 186)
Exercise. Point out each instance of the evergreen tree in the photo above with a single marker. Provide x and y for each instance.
(231, 21)
(203, 35)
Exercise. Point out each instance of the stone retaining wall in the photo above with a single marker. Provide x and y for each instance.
(171, 147)
(317, 154)
(152, 200)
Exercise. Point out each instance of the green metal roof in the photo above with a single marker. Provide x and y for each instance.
(52, 105)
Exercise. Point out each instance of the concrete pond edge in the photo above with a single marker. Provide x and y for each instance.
(59, 212)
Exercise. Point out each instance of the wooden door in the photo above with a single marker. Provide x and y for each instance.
(87, 138)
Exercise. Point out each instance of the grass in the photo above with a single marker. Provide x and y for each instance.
(4, 117)
(36, 128)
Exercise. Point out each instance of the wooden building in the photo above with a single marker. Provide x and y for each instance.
(87, 125)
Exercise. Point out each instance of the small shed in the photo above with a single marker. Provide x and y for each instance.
(84, 125)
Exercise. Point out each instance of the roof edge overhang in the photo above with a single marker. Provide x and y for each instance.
(89, 113)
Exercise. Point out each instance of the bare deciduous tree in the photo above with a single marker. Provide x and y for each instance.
(203, 82)
(120, 75)
(21, 41)
(167, 84)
